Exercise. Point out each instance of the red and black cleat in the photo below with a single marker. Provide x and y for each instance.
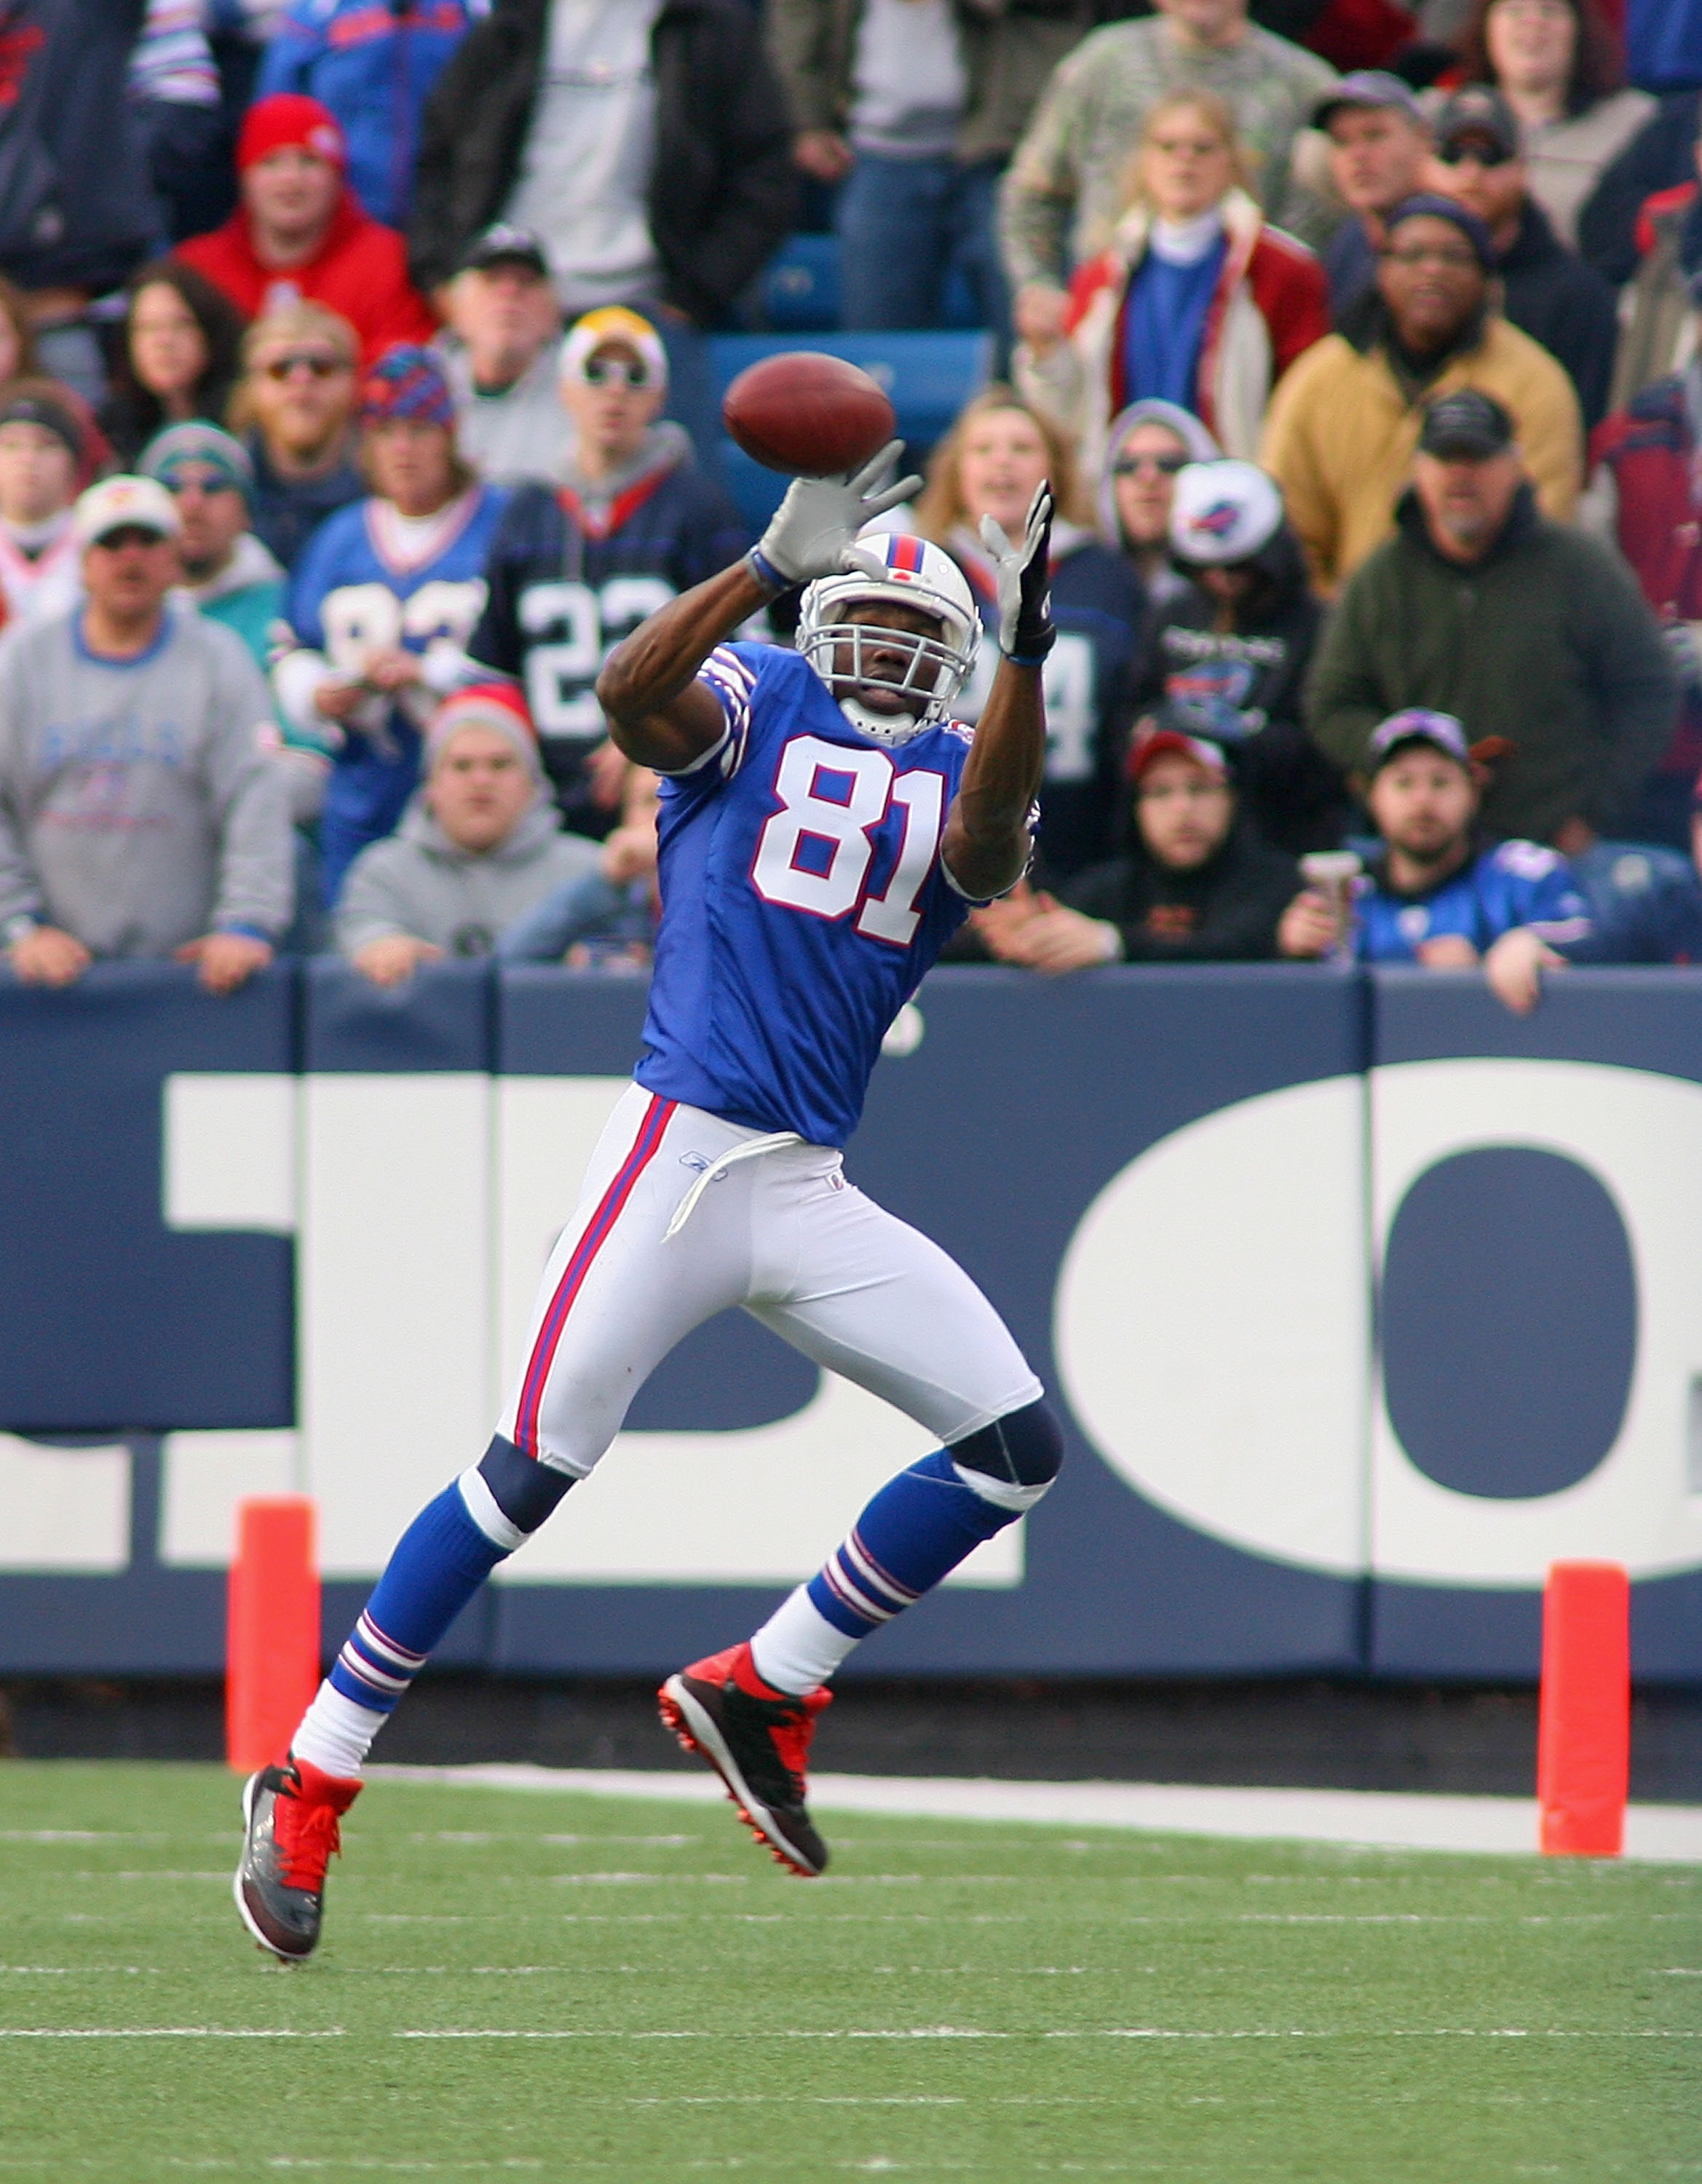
(291, 1815)
(757, 1739)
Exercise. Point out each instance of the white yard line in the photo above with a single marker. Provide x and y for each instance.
(1383, 1818)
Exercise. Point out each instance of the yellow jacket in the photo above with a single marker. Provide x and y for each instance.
(1340, 434)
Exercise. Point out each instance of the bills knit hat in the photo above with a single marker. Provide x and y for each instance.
(614, 323)
(1430, 204)
(24, 407)
(197, 443)
(406, 381)
(289, 121)
(498, 706)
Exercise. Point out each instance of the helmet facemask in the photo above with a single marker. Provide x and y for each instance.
(853, 656)
(927, 668)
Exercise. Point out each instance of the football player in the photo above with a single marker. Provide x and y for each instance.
(824, 827)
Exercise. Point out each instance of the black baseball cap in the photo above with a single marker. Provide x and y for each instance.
(504, 245)
(1468, 425)
(1478, 109)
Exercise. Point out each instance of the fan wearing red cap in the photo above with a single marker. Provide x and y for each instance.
(1195, 885)
(301, 233)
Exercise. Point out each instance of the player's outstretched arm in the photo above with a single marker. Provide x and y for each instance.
(987, 844)
(657, 712)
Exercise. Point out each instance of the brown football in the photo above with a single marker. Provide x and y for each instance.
(814, 415)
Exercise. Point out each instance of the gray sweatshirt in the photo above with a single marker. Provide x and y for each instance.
(417, 881)
(138, 807)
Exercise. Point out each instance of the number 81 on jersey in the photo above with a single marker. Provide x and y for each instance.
(814, 854)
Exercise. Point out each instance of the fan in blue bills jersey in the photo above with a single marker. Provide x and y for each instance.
(1436, 893)
(381, 604)
(824, 825)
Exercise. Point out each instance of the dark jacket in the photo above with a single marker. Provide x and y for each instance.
(1552, 295)
(1660, 156)
(1010, 48)
(76, 208)
(722, 189)
(1246, 685)
(1545, 642)
(1226, 911)
(287, 512)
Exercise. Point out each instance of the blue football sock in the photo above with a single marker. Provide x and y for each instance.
(919, 1526)
(439, 1563)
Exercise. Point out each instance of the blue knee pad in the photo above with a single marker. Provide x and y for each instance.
(526, 1490)
(924, 1523)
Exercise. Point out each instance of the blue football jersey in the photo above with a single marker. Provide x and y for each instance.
(1515, 883)
(803, 900)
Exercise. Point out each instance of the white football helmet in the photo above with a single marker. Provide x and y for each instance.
(913, 573)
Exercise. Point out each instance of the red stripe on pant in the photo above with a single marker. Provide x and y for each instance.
(597, 1232)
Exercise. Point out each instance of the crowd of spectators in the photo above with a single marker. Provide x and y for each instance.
(356, 398)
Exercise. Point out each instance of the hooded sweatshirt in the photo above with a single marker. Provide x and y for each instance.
(1226, 911)
(138, 806)
(359, 271)
(247, 595)
(576, 567)
(419, 883)
(1246, 684)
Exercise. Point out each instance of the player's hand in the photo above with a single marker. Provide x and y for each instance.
(1025, 630)
(813, 530)
(1515, 965)
(48, 957)
(392, 959)
(227, 960)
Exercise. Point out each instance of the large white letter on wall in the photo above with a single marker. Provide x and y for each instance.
(1212, 1324)
(1640, 1134)
(393, 1301)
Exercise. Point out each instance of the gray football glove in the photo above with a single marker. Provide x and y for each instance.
(1025, 631)
(814, 526)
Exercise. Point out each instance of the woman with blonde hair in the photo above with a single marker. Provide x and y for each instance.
(989, 464)
(1197, 301)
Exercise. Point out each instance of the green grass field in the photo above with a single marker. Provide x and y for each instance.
(570, 1986)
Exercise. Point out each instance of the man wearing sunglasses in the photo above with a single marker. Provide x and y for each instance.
(1546, 289)
(629, 520)
(1345, 419)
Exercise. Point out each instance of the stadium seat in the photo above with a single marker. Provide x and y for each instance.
(929, 376)
(797, 291)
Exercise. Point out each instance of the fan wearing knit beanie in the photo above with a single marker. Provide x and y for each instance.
(382, 602)
(300, 232)
(479, 845)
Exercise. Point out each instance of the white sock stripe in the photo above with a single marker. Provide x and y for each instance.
(845, 1590)
(867, 1569)
(1002, 1493)
(377, 1679)
(486, 1512)
(398, 1656)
